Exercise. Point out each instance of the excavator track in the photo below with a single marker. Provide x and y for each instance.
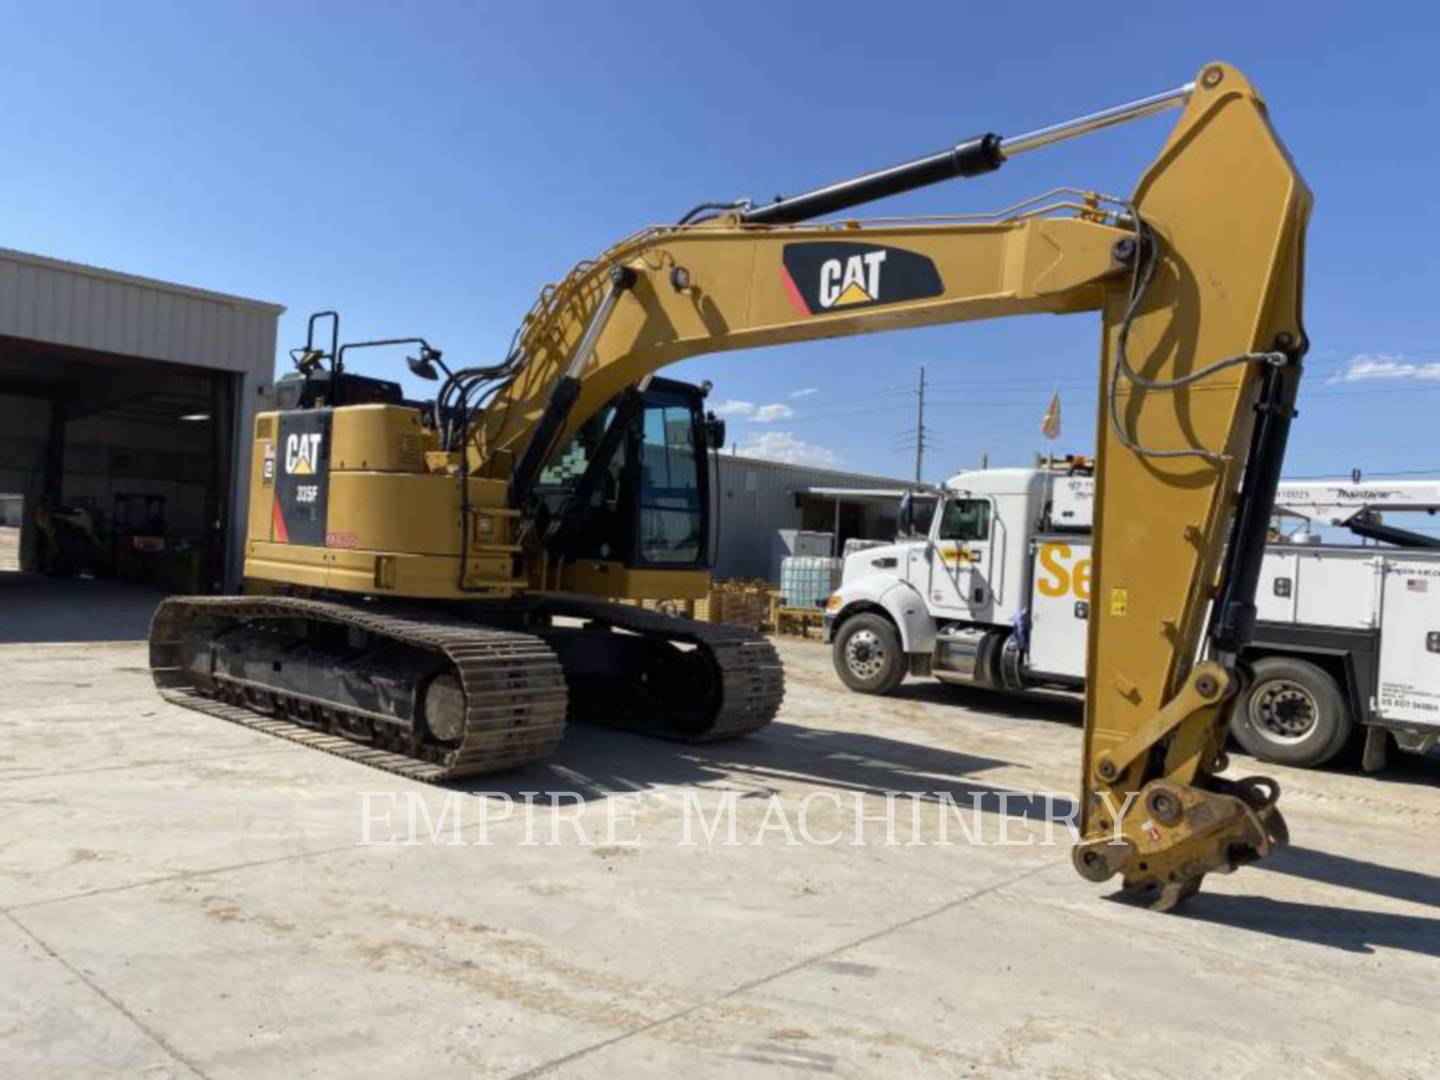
(723, 681)
(514, 688)
(626, 667)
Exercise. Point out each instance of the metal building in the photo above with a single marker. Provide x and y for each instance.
(755, 499)
(123, 402)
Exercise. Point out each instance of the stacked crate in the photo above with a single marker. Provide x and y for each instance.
(736, 603)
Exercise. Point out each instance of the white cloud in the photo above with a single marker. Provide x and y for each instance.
(783, 446)
(768, 414)
(1384, 366)
(806, 392)
(734, 408)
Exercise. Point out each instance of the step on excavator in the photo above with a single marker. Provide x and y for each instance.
(435, 587)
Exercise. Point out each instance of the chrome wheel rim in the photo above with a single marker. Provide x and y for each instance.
(1283, 711)
(865, 654)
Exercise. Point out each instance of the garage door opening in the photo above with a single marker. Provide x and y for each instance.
(121, 402)
(117, 472)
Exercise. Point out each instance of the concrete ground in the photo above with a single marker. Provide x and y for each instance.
(184, 897)
(38, 608)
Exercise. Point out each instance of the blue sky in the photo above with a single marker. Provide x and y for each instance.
(425, 168)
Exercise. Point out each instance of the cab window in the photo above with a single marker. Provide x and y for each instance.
(570, 462)
(672, 518)
(966, 520)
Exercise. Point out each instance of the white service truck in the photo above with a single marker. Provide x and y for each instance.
(997, 595)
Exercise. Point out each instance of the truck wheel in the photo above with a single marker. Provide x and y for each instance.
(868, 656)
(1293, 714)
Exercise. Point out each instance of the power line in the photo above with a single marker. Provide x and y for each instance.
(1384, 474)
(952, 389)
(1011, 393)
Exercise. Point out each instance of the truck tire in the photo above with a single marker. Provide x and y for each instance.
(868, 656)
(1294, 713)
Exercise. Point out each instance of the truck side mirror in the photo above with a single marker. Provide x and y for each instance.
(906, 522)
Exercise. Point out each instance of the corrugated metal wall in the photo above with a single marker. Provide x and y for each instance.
(86, 308)
(757, 498)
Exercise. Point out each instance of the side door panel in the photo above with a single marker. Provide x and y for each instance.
(1060, 607)
(1409, 680)
(960, 556)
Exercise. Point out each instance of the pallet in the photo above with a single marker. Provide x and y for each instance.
(801, 622)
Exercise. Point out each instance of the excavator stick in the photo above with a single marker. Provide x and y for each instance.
(1199, 372)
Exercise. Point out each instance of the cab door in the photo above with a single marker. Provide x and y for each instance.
(960, 555)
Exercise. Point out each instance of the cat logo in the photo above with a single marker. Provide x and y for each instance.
(855, 280)
(830, 276)
(302, 454)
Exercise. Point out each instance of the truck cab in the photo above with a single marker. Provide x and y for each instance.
(934, 604)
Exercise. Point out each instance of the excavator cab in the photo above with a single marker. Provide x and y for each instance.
(632, 485)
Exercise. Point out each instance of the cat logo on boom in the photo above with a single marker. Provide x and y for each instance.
(855, 280)
(302, 454)
(828, 276)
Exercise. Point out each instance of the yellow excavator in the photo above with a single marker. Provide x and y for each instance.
(433, 587)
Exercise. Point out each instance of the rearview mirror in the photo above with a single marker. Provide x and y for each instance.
(423, 366)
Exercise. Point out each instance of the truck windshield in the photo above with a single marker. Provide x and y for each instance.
(965, 519)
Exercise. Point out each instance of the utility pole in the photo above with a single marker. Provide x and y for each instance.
(920, 428)
(920, 433)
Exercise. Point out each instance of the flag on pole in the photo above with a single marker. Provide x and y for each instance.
(1050, 425)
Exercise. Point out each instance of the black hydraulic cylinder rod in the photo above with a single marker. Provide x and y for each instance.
(1234, 615)
(973, 157)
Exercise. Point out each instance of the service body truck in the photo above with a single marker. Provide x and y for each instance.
(998, 595)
